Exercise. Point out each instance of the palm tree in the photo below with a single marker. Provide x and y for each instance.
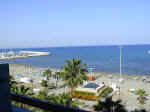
(142, 93)
(74, 73)
(47, 73)
(44, 83)
(56, 76)
(109, 106)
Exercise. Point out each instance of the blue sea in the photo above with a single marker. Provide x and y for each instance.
(135, 58)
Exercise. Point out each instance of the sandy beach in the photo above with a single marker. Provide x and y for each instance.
(129, 99)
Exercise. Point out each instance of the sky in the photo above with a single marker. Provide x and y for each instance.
(50, 23)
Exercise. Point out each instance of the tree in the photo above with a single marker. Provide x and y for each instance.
(109, 106)
(57, 76)
(142, 93)
(44, 83)
(47, 73)
(74, 73)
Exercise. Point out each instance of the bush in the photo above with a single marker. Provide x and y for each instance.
(44, 83)
(142, 93)
(84, 93)
(142, 101)
(106, 92)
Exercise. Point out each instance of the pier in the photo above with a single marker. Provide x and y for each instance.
(21, 54)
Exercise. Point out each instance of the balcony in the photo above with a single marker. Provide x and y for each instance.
(6, 98)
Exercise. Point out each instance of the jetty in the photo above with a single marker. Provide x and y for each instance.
(21, 54)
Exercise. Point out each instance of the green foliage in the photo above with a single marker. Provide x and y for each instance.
(106, 92)
(19, 88)
(56, 76)
(76, 103)
(64, 99)
(142, 101)
(22, 90)
(43, 95)
(47, 73)
(74, 73)
(84, 93)
(109, 106)
(44, 83)
(142, 93)
(12, 82)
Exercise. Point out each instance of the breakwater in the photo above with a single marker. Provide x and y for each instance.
(21, 54)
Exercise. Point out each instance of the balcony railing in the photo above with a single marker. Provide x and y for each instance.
(47, 106)
(6, 97)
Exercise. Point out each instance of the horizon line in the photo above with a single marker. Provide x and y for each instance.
(75, 46)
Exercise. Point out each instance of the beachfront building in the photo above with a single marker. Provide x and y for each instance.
(92, 91)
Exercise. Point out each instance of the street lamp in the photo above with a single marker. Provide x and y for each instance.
(120, 80)
(120, 61)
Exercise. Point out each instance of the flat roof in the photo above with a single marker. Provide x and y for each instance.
(91, 85)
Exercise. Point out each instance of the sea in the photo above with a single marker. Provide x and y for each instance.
(135, 58)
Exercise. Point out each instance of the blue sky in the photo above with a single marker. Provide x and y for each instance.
(41, 23)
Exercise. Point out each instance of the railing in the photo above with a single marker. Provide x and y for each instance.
(47, 106)
(5, 99)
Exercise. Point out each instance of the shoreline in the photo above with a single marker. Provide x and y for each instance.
(103, 73)
(29, 68)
